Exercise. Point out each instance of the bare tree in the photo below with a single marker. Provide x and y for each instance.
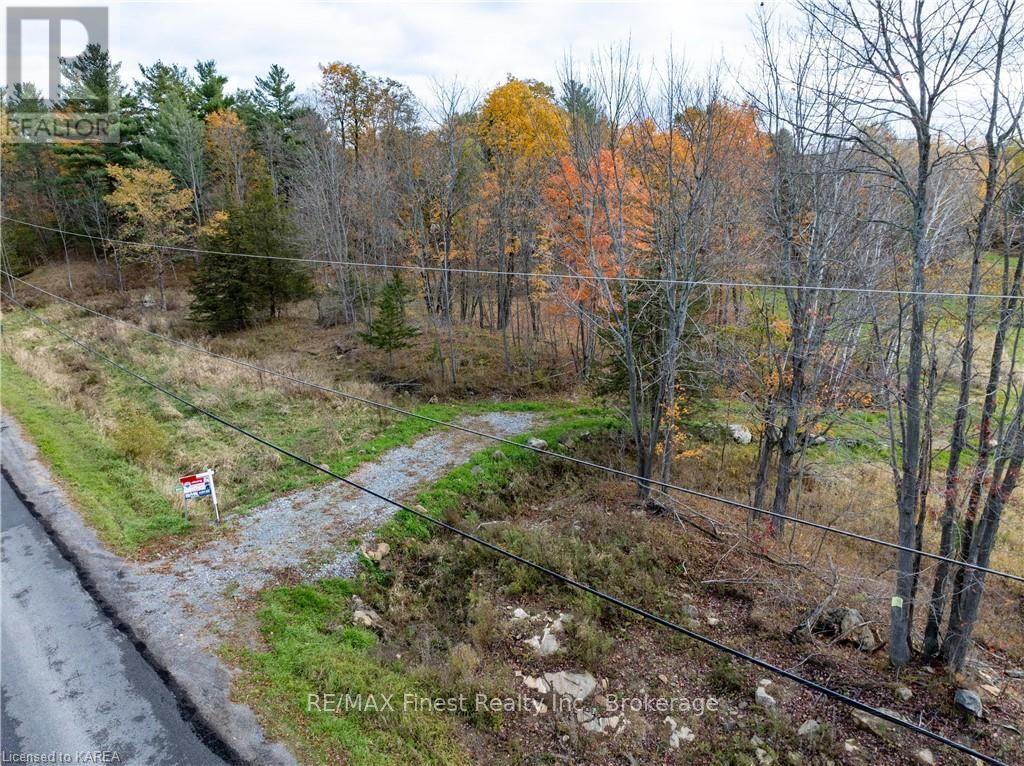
(908, 56)
(1002, 121)
(815, 206)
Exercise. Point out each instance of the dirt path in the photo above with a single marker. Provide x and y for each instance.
(182, 607)
(312, 533)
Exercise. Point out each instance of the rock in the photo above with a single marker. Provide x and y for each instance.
(476, 470)
(969, 702)
(678, 734)
(537, 684)
(740, 433)
(575, 685)
(818, 440)
(763, 698)
(809, 729)
(880, 727)
(663, 678)
(794, 758)
(558, 624)
(849, 626)
(1015, 673)
(520, 614)
(534, 443)
(904, 692)
(713, 621)
(924, 757)
(990, 689)
(850, 747)
(986, 675)
(498, 455)
(764, 758)
(544, 645)
(600, 725)
(689, 611)
(367, 618)
(376, 552)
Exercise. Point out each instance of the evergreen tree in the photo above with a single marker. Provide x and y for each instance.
(209, 89)
(231, 293)
(275, 97)
(391, 331)
(223, 294)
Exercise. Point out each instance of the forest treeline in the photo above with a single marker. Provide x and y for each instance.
(616, 217)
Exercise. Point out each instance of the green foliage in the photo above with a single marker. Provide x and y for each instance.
(231, 293)
(114, 494)
(313, 649)
(139, 437)
(176, 140)
(589, 643)
(390, 330)
(726, 676)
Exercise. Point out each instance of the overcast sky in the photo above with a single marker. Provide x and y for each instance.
(417, 42)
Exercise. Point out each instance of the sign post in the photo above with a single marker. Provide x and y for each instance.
(197, 485)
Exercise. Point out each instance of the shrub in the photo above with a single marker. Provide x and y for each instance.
(139, 437)
(725, 676)
(588, 642)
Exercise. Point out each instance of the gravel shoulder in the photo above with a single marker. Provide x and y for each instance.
(181, 607)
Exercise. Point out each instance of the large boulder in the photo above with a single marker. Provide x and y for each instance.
(578, 686)
(849, 626)
(809, 729)
(677, 734)
(763, 698)
(969, 702)
(880, 727)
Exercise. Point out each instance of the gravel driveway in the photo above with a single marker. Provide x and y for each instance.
(313, 532)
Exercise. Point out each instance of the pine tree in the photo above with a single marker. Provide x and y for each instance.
(223, 294)
(231, 293)
(391, 330)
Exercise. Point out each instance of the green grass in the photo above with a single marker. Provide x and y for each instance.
(485, 473)
(123, 414)
(114, 494)
(315, 650)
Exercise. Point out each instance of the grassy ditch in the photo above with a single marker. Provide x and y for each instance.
(115, 495)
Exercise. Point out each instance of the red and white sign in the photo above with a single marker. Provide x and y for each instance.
(197, 485)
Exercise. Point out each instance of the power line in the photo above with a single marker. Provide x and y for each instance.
(565, 579)
(624, 279)
(538, 450)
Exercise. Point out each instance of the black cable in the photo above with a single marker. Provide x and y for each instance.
(639, 611)
(579, 461)
(623, 278)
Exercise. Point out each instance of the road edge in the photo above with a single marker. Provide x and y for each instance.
(200, 682)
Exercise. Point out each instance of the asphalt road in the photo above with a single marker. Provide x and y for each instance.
(71, 682)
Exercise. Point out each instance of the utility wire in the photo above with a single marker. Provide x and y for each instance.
(524, 274)
(539, 450)
(565, 579)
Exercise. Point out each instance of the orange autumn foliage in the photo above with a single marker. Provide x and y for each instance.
(600, 219)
